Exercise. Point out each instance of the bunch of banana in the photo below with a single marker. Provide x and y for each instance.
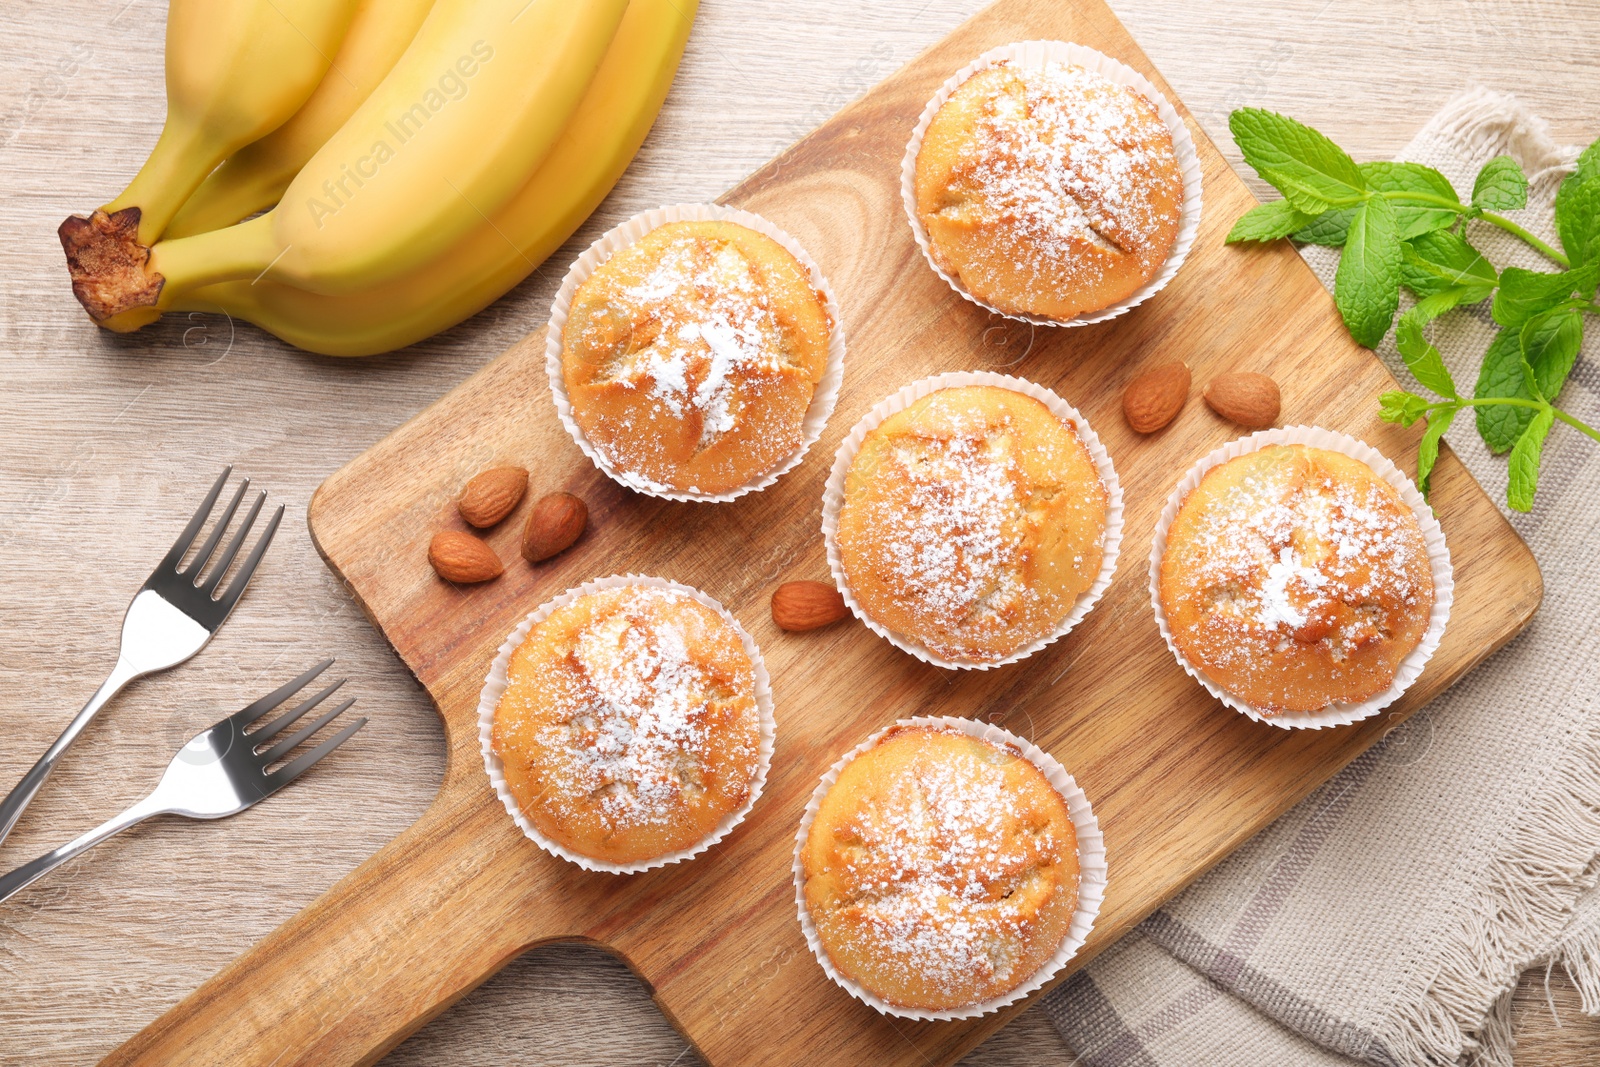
(497, 131)
(254, 178)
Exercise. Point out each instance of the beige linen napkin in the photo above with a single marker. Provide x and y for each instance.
(1386, 918)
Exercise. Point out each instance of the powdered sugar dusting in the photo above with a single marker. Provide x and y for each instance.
(1295, 560)
(1073, 156)
(959, 550)
(638, 725)
(701, 341)
(958, 536)
(941, 891)
(1076, 175)
(713, 323)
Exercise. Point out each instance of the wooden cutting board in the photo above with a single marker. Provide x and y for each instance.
(1176, 779)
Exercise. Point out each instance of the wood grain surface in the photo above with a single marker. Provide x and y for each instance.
(108, 441)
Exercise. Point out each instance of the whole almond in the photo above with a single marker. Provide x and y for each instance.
(555, 522)
(806, 605)
(491, 495)
(1155, 397)
(458, 556)
(1251, 400)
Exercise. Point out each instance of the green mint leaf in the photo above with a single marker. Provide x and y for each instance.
(1442, 260)
(1428, 450)
(1501, 186)
(1366, 286)
(1588, 164)
(1525, 293)
(1575, 205)
(1422, 358)
(1578, 218)
(1550, 344)
(1268, 222)
(1432, 306)
(1524, 465)
(1402, 407)
(1400, 179)
(1500, 425)
(1311, 171)
(1329, 228)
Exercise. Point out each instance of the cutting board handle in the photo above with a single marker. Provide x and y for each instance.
(403, 937)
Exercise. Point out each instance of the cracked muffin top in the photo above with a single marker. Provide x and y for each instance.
(629, 727)
(972, 521)
(1048, 191)
(691, 356)
(1296, 577)
(940, 870)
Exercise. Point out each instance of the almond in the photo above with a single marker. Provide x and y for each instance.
(1251, 400)
(458, 556)
(1155, 397)
(807, 605)
(555, 522)
(491, 495)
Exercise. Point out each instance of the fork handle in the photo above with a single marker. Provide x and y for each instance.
(19, 798)
(28, 873)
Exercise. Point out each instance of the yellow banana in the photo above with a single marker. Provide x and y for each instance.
(465, 116)
(236, 70)
(255, 176)
(601, 139)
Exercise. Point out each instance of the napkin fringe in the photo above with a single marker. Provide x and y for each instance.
(1578, 952)
(1486, 124)
(1495, 1036)
(1526, 898)
(1580, 958)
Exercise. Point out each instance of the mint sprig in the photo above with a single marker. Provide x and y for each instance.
(1402, 225)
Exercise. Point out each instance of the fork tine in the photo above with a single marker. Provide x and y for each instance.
(288, 719)
(197, 564)
(289, 744)
(234, 543)
(179, 547)
(231, 594)
(301, 764)
(248, 715)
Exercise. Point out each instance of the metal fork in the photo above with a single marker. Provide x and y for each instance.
(170, 619)
(222, 771)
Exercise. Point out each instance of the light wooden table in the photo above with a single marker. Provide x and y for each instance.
(106, 443)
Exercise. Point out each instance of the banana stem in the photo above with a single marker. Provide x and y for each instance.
(175, 168)
(245, 251)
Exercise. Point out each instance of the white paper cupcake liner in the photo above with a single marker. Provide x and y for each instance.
(630, 232)
(1091, 868)
(833, 500)
(1433, 537)
(495, 686)
(1035, 55)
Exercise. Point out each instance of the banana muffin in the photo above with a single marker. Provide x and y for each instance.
(691, 357)
(940, 870)
(972, 521)
(1049, 191)
(1295, 577)
(629, 727)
